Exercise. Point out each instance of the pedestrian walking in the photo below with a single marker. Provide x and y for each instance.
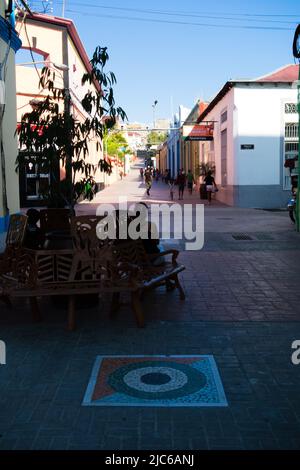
(166, 176)
(181, 180)
(148, 181)
(209, 180)
(171, 187)
(190, 181)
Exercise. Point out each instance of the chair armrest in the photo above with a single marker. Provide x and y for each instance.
(172, 252)
(128, 266)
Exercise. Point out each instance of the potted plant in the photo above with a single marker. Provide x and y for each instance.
(60, 142)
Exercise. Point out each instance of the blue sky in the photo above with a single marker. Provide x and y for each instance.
(180, 63)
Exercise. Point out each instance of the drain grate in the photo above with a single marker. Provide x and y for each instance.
(241, 236)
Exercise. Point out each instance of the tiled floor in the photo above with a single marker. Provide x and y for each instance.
(242, 308)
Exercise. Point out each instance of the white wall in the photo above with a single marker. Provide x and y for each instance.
(255, 116)
(260, 121)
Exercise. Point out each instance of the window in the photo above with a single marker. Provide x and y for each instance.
(291, 130)
(290, 108)
(224, 117)
(291, 148)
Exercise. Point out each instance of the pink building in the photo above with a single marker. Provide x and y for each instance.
(54, 42)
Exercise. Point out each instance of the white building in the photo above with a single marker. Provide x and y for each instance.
(256, 130)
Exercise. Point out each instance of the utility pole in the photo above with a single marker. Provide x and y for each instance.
(63, 8)
(67, 119)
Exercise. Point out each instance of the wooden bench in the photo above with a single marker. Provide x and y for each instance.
(13, 242)
(93, 266)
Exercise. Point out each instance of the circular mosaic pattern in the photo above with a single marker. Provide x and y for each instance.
(162, 379)
(157, 380)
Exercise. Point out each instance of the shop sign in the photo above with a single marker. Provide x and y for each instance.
(198, 132)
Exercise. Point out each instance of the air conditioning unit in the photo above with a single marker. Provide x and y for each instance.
(2, 92)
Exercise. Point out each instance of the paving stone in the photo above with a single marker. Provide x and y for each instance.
(242, 306)
(225, 444)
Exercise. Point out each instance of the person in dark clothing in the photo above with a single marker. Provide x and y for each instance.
(34, 237)
(152, 241)
(181, 179)
(209, 180)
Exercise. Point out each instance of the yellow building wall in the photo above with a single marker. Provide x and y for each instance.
(49, 40)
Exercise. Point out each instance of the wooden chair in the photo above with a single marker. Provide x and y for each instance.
(94, 266)
(89, 268)
(16, 230)
(148, 274)
(54, 219)
(14, 240)
(55, 225)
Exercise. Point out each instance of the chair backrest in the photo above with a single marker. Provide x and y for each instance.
(16, 230)
(84, 234)
(93, 257)
(54, 219)
(132, 252)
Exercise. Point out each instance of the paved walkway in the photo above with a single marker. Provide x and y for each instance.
(242, 306)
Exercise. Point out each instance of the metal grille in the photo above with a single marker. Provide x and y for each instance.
(291, 130)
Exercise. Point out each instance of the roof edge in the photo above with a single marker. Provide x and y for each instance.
(70, 26)
(226, 88)
(262, 77)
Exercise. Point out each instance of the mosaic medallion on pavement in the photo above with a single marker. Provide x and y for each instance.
(164, 381)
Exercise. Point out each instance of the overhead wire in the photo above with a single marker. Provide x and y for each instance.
(186, 23)
(30, 48)
(218, 16)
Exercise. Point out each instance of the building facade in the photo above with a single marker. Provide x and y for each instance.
(174, 141)
(255, 133)
(55, 43)
(9, 184)
(190, 149)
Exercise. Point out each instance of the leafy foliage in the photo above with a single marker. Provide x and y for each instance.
(204, 168)
(156, 137)
(58, 139)
(117, 145)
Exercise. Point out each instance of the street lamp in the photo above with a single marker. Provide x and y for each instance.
(153, 106)
(62, 67)
(54, 66)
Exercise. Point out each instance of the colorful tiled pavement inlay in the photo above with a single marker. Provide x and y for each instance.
(165, 381)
